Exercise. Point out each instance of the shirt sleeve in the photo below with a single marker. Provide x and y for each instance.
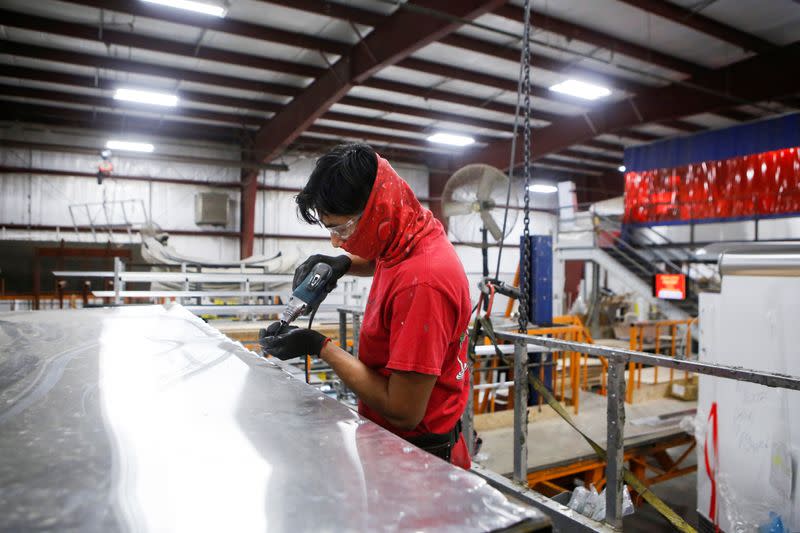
(420, 328)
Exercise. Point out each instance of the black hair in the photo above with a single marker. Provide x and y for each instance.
(340, 183)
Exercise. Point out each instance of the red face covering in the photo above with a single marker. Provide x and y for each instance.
(393, 220)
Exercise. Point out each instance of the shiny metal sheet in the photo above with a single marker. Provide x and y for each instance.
(147, 419)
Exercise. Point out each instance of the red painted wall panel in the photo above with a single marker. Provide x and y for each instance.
(759, 184)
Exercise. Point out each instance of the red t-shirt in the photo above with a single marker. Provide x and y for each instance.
(418, 310)
(416, 320)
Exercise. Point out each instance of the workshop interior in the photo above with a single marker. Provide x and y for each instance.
(400, 265)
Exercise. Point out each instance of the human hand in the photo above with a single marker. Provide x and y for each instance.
(340, 265)
(289, 342)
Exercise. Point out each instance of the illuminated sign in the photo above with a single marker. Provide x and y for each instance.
(670, 286)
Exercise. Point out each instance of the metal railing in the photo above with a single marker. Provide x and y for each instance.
(190, 283)
(566, 379)
(678, 342)
(693, 213)
(615, 416)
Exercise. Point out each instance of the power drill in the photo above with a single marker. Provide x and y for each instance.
(308, 294)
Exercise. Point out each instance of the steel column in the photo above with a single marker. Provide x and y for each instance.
(614, 442)
(119, 285)
(521, 413)
(248, 212)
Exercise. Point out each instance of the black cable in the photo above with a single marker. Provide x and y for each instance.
(510, 167)
(310, 322)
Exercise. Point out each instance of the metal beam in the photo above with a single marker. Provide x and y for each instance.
(692, 19)
(224, 25)
(489, 80)
(333, 10)
(123, 177)
(139, 67)
(399, 36)
(147, 42)
(108, 122)
(365, 135)
(472, 76)
(543, 62)
(570, 30)
(319, 145)
(254, 61)
(389, 107)
(87, 117)
(118, 124)
(54, 98)
(590, 156)
(94, 150)
(754, 79)
(569, 166)
(108, 84)
(167, 46)
(204, 233)
(447, 96)
(247, 212)
(92, 82)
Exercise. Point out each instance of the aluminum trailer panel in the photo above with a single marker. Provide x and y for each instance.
(147, 419)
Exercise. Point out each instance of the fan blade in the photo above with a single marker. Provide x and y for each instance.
(451, 209)
(491, 225)
(486, 184)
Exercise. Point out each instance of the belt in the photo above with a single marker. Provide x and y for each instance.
(438, 444)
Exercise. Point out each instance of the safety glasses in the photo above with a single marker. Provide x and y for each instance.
(346, 230)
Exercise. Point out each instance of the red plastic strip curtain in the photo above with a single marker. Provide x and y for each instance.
(759, 184)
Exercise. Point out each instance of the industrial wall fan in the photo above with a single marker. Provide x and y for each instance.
(474, 201)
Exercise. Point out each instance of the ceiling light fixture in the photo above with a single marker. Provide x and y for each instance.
(146, 97)
(451, 139)
(581, 89)
(189, 5)
(130, 146)
(542, 188)
(621, 168)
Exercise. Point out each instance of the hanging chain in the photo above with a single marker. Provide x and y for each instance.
(524, 270)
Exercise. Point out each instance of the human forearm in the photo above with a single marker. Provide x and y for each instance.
(361, 266)
(390, 399)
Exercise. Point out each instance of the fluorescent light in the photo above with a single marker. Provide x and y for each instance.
(581, 89)
(542, 188)
(129, 146)
(199, 7)
(621, 168)
(146, 97)
(700, 251)
(449, 138)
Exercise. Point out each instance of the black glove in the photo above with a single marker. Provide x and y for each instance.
(290, 341)
(340, 265)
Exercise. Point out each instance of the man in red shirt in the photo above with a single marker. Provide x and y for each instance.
(412, 374)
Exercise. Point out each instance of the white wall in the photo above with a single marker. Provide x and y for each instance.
(44, 200)
(37, 199)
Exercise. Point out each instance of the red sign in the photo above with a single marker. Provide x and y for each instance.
(670, 286)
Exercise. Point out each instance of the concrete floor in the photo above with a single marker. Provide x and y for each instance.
(679, 493)
(552, 441)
